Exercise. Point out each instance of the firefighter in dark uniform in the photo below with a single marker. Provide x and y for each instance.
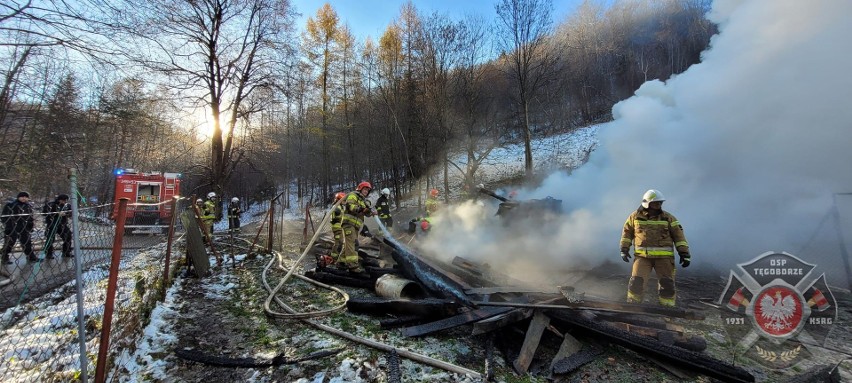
(56, 225)
(18, 223)
(234, 212)
(383, 208)
(355, 208)
(654, 234)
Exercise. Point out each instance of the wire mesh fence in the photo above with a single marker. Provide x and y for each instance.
(39, 321)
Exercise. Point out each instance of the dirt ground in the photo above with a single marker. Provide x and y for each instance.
(230, 322)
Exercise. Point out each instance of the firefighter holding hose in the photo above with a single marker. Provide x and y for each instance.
(355, 208)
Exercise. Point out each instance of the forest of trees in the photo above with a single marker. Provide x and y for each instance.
(239, 99)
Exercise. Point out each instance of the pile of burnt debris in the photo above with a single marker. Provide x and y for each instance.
(424, 297)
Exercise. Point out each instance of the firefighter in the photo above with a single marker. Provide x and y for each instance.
(383, 208)
(18, 223)
(208, 213)
(432, 203)
(337, 226)
(654, 234)
(56, 225)
(355, 208)
(234, 212)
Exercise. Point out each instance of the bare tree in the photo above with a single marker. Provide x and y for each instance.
(220, 50)
(523, 27)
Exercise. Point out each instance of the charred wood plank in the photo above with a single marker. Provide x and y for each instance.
(531, 340)
(576, 360)
(335, 279)
(627, 308)
(500, 321)
(430, 277)
(692, 360)
(376, 272)
(428, 308)
(454, 321)
(671, 338)
(641, 321)
(569, 346)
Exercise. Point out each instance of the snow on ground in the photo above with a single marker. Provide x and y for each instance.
(39, 339)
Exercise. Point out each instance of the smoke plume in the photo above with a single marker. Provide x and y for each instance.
(749, 147)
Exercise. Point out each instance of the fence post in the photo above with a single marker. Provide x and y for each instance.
(169, 243)
(106, 325)
(78, 265)
(271, 225)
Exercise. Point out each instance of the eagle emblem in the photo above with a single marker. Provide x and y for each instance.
(778, 311)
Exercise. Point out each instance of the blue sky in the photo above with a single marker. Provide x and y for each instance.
(371, 17)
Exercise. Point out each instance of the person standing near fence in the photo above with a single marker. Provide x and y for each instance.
(234, 212)
(56, 225)
(383, 208)
(17, 219)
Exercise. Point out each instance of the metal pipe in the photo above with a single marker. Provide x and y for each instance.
(112, 281)
(78, 270)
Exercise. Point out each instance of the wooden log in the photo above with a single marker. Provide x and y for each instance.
(532, 338)
(426, 308)
(400, 321)
(329, 278)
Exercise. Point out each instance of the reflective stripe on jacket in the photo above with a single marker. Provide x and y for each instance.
(653, 236)
(354, 209)
(336, 217)
(208, 212)
(383, 207)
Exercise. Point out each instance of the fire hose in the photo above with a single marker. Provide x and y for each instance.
(290, 313)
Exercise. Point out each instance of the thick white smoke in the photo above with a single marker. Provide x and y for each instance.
(748, 146)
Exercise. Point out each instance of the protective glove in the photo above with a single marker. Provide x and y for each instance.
(625, 255)
(684, 260)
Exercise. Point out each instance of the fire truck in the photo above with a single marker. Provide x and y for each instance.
(145, 192)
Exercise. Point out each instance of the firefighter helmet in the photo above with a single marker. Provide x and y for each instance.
(433, 193)
(386, 191)
(199, 201)
(652, 195)
(211, 195)
(339, 196)
(235, 200)
(364, 184)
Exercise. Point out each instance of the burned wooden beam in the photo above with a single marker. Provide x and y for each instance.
(500, 321)
(575, 361)
(400, 321)
(627, 308)
(431, 278)
(691, 343)
(455, 321)
(692, 360)
(427, 308)
(329, 277)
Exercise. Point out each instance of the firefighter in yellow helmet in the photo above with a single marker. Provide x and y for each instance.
(654, 234)
(432, 203)
(355, 208)
(337, 226)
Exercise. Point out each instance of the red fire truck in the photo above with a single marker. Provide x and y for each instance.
(145, 191)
